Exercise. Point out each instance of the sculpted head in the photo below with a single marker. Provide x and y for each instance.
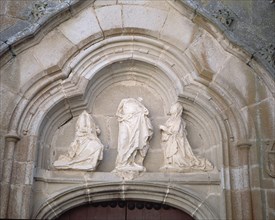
(176, 109)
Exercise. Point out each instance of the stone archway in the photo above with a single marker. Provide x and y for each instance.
(124, 210)
(193, 67)
(171, 195)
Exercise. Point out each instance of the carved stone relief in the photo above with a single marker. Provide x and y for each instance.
(39, 9)
(135, 132)
(86, 150)
(178, 155)
(268, 54)
(224, 16)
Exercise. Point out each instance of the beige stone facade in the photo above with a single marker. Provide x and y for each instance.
(106, 51)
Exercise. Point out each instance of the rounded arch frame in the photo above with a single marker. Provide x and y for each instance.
(174, 196)
(76, 85)
(228, 122)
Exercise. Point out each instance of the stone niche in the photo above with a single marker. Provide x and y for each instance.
(128, 79)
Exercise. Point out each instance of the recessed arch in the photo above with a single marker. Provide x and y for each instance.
(184, 200)
(59, 93)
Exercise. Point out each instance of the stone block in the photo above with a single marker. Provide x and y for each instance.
(146, 3)
(108, 162)
(207, 54)
(16, 9)
(109, 19)
(3, 5)
(26, 204)
(8, 103)
(2, 148)
(256, 203)
(53, 51)
(18, 172)
(19, 202)
(217, 204)
(267, 182)
(21, 150)
(242, 82)
(271, 214)
(153, 160)
(4, 191)
(254, 176)
(7, 22)
(107, 102)
(271, 199)
(9, 75)
(262, 114)
(82, 28)
(179, 30)
(246, 204)
(13, 33)
(99, 3)
(149, 19)
(28, 69)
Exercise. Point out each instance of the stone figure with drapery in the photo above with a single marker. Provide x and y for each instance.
(135, 131)
(86, 151)
(178, 154)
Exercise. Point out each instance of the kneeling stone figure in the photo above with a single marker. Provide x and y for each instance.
(178, 155)
(86, 151)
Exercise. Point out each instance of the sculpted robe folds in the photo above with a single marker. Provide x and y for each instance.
(178, 155)
(86, 150)
(135, 131)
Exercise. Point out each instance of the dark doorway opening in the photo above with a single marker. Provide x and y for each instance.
(125, 210)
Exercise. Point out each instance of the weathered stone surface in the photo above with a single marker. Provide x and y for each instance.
(8, 102)
(99, 3)
(82, 28)
(149, 18)
(29, 68)
(20, 201)
(18, 8)
(271, 199)
(60, 49)
(207, 54)
(109, 18)
(6, 22)
(246, 88)
(264, 111)
(179, 30)
(213, 11)
(256, 202)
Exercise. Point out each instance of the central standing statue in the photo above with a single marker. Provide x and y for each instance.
(135, 131)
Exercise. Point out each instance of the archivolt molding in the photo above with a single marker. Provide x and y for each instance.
(185, 200)
(82, 73)
(57, 97)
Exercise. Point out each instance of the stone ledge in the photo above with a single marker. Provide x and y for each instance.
(196, 178)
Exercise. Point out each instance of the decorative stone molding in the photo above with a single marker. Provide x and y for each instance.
(13, 45)
(183, 199)
(268, 54)
(39, 9)
(11, 139)
(224, 16)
